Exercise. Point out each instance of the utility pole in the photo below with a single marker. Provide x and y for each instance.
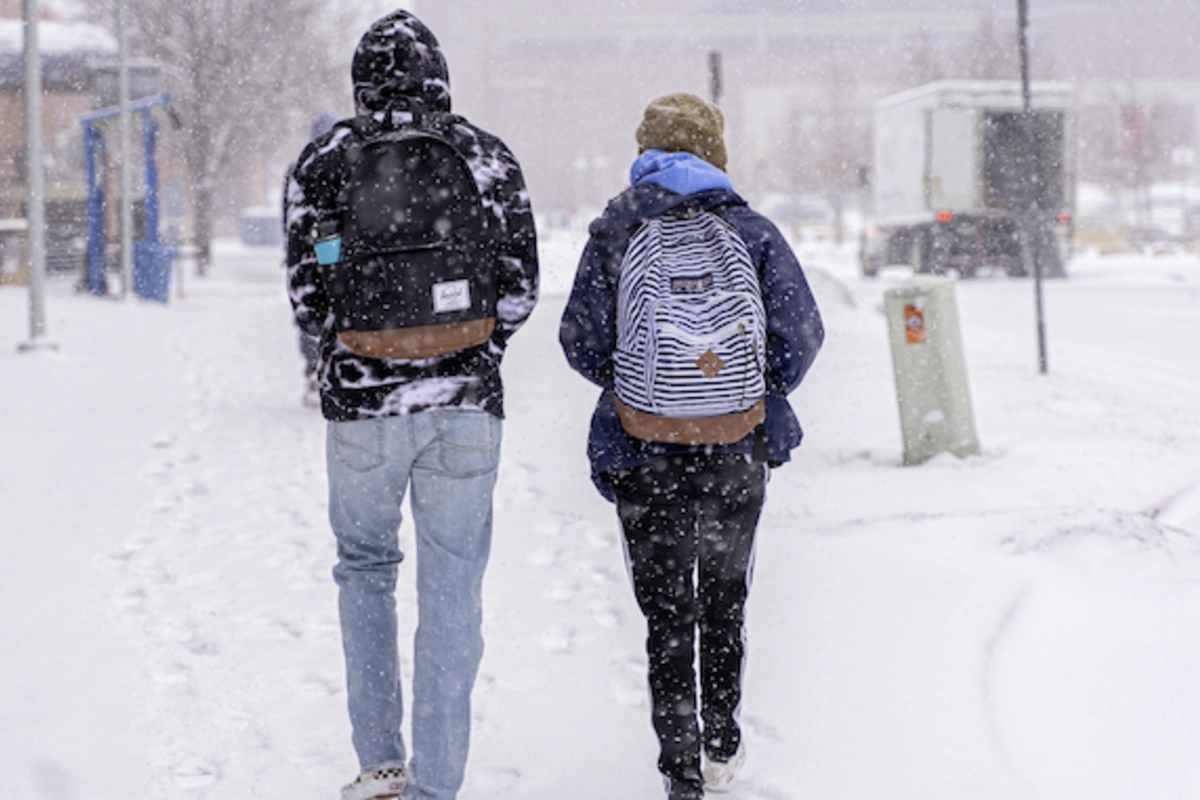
(1033, 213)
(714, 77)
(35, 209)
(124, 124)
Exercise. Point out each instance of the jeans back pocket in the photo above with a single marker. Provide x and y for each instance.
(359, 444)
(470, 443)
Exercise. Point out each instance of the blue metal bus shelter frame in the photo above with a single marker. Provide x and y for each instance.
(94, 150)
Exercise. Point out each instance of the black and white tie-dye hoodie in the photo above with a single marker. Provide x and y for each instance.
(400, 78)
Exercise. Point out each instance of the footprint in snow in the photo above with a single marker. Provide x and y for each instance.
(494, 779)
(157, 469)
(203, 647)
(542, 557)
(602, 575)
(630, 694)
(606, 616)
(165, 503)
(521, 496)
(760, 729)
(195, 773)
(129, 597)
(560, 591)
(281, 630)
(601, 538)
(313, 685)
(548, 528)
(232, 718)
(151, 570)
(169, 673)
(753, 790)
(557, 640)
(114, 561)
(312, 759)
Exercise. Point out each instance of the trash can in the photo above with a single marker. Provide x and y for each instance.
(261, 227)
(931, 372)
(152, 265)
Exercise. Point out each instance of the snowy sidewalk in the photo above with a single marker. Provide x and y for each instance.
(1018, 625)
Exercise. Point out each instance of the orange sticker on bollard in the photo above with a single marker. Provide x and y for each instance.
(914, 324)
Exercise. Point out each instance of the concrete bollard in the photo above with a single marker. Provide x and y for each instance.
(931, 373)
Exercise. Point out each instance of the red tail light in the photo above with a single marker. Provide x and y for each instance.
(945, 216)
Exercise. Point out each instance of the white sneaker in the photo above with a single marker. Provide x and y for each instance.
(377, 785)
(719, 775)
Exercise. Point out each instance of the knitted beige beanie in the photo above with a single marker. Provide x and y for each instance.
(686, 122)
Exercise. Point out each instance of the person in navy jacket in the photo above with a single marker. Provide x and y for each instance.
(684, 508)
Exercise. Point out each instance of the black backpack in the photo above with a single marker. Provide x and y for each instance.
(417, 277)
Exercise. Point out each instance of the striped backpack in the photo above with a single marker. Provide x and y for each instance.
(691, 333)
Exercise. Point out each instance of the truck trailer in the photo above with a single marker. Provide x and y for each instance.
(956, 186)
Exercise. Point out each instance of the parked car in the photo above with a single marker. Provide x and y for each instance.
(801, 215)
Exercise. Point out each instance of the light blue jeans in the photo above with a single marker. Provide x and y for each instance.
(449, 458)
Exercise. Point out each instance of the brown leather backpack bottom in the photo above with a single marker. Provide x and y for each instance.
(427, 341)
(725, 429)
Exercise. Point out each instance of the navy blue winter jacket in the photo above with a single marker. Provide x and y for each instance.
(588, 331)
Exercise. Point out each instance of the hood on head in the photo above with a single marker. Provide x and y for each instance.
(399, 66)
(681, 172)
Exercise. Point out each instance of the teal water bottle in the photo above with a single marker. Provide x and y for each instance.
(327, 242)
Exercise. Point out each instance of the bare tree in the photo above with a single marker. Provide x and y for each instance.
(842, 141)
(241, 74)
(826, 141)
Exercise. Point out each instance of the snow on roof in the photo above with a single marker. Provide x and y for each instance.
(981, 93)
(57, 37)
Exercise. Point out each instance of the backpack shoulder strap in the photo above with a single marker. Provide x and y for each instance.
(429, 128)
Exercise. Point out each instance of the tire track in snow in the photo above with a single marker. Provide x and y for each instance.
(988, 675)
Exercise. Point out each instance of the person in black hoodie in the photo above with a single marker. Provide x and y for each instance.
(431, 423)
(689, 508)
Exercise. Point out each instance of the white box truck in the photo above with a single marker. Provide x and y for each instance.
(948, 185)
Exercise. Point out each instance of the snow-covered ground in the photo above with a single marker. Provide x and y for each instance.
(1022, 624)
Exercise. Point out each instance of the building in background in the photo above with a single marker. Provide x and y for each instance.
(79, 75)
(565, 81)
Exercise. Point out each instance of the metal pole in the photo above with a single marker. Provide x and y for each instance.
(93, 145)
(1033, 216)
(714, 77)
(126, 152)
(149, 136)
(35, 210)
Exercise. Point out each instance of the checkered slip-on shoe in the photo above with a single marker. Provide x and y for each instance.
(382, 784)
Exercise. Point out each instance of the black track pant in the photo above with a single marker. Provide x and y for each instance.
(689, 525)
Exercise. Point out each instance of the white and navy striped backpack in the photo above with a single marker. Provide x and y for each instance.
(691, 333)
